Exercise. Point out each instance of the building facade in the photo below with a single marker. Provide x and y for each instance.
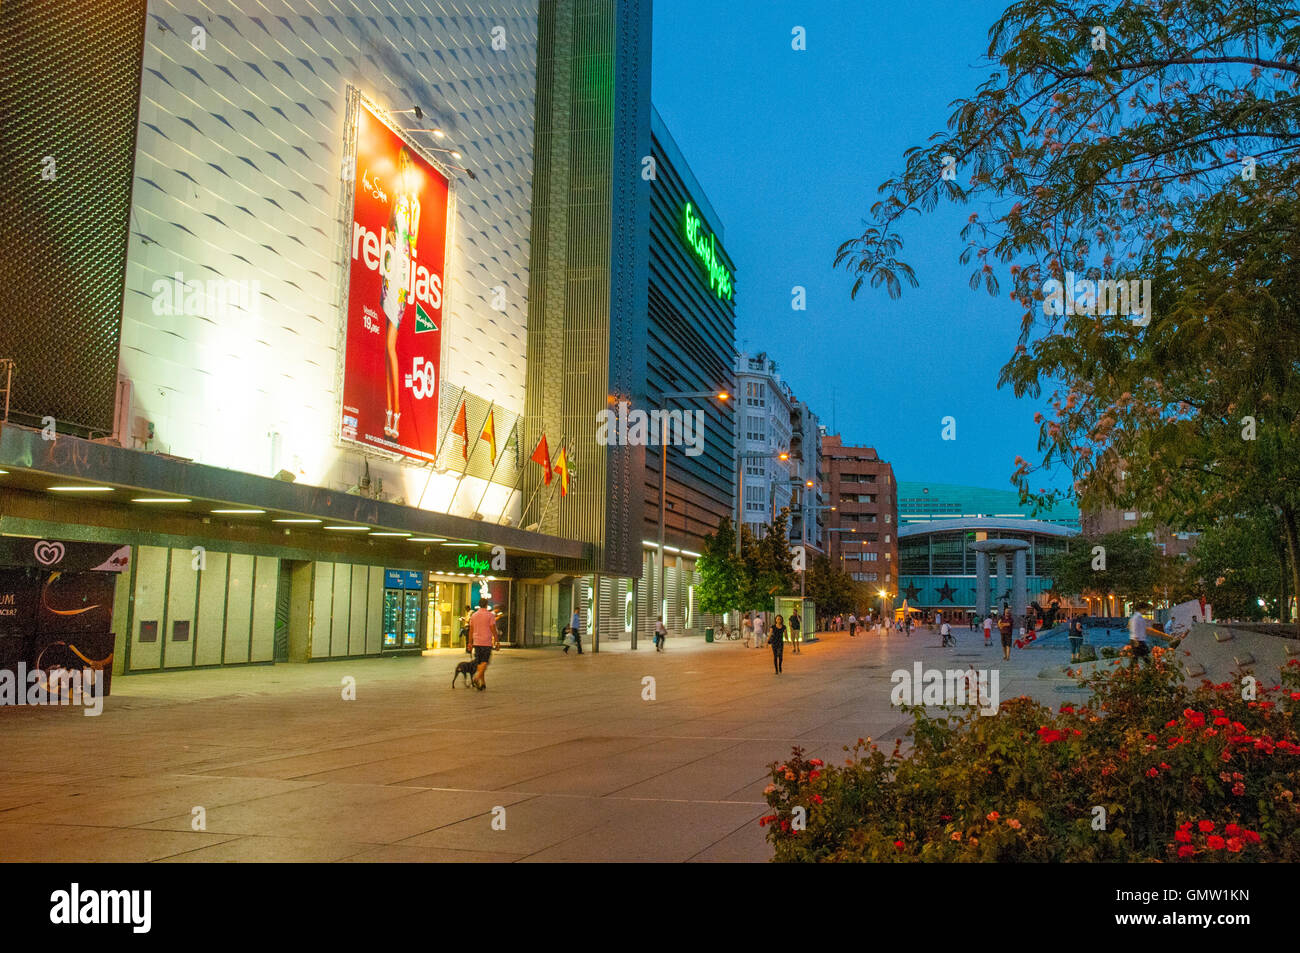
(953, 536)
(862, 530)
(766, 469)
(345, 279)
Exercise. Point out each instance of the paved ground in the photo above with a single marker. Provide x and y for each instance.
(585, 768)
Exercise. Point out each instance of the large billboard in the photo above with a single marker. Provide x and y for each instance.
(396, 255)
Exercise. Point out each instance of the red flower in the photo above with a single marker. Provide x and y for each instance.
(1163, 766)
(1206, 826)
(1186, 850)
(814, 775)
(1067, 709)
(898, 845)
(1250, 836)
(993, 815)
(1239, 789)
(816, 762)
(817, 799)
(1232, 830)
(1049, 735)
(1214, 842)
(1235, 844)
(1182, 836)
(1152, 772)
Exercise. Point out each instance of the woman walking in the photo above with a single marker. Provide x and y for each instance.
(777, 640)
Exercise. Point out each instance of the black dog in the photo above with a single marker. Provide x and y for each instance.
(464, 668)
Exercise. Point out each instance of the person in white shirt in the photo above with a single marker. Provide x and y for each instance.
(1137, 634)
(988, 630)
(759, 639)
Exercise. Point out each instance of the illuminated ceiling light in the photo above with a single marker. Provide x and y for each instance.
(348, 529)
(2, 472)
(80, 489)
(294, 521)
(238, 512)
(469, 545)
(428, 539)
(390, 534)
(161, 499)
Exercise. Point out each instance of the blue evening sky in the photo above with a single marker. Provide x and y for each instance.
(790, 147)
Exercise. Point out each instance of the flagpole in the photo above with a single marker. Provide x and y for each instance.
(523, 467)
(527, 506)
(470, 455)
(488, 485)
(437, 454)
(554, 494)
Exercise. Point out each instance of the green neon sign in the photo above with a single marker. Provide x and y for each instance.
(473, 563)
(705, 246)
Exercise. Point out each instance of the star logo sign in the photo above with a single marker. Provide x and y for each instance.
(912, 592)
(946, 593)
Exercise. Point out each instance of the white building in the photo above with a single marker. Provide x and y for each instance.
(779, 447)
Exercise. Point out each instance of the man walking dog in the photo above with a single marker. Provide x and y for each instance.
(483, 630)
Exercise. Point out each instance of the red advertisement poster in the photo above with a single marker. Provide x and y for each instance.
(397, 252)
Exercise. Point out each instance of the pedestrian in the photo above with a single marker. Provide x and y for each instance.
(945, 632)
(777, 641)
(853, 625)
(464, 633)
(1076, 638)
(795, 626)
(661, 633)
(1137, 634)
(758, 631)
(576, 630)
(988, 631)
(483, 630)
(938, 618)
(1005, 629)
(747, 630)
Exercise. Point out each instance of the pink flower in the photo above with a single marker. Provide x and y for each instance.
(1013, 824)
(993, 815)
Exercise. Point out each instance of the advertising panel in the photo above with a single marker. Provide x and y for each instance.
(396, 257)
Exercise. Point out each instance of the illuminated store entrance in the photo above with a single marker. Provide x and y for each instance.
(450, 601)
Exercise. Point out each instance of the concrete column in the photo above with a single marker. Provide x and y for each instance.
(981, 583)
(1020, 591)
(1002, 577)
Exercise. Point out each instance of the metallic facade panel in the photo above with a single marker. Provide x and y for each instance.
(69, 90)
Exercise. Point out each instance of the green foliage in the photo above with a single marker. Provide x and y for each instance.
(1239, 561)
(1181, 774)
(1134, 567)
(1168, 151)
(720, 571)
(831, 589)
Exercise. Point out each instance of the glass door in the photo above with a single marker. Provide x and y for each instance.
(411, 620)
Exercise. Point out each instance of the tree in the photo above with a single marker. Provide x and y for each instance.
(721, 575)
(1238, 563)
(1164, 137)
(830, 588)
(1125, 563)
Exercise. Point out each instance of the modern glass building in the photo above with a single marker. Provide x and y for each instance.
(309, 290)
(939, 523)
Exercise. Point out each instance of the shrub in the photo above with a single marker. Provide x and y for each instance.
(1148, 769)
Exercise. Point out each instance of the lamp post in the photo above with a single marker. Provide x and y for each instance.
(666, 398)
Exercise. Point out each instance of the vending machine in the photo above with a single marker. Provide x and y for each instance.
(402, 598)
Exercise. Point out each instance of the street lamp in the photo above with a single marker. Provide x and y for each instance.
(666, 397)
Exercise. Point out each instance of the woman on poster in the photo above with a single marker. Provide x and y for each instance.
(403, 225)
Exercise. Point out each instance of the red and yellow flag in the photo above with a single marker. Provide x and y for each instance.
(542, 457)
(561, 467)
(461, 429)
(490, 435)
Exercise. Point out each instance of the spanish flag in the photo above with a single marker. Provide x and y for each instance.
(490, 435)
(561, 466)
(461, 429)
(542, 457)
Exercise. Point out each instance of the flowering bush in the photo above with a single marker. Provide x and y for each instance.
(1147, 769)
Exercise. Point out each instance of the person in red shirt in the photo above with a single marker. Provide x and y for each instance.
(483, 632)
